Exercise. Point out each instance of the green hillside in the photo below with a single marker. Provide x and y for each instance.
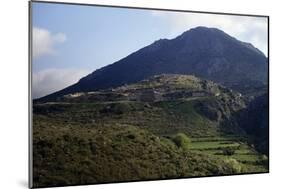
(166, 126)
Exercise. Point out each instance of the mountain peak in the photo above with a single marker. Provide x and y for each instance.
(204, 30)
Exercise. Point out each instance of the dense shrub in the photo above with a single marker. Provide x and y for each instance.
(263, 160)
(234, 165)
(182, 141)
(228, 151)
(117, 108)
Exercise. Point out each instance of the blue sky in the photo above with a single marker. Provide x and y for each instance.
(72, 41)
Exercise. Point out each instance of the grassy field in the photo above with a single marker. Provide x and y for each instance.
(250, 159)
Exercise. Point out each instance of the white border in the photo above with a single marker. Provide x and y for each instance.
(14, 93)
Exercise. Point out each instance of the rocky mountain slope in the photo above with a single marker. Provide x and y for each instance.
(207, 53)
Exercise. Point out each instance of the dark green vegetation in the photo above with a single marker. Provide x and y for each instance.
(166, 126)
(257, 125)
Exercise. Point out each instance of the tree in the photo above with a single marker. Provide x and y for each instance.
(234, 165)
(229, 151)
(182, 141)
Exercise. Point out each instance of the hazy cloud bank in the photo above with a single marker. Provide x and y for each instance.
(51, 80)
(44, 42)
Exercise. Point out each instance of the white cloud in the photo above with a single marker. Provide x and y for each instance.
(44, 42)
(51, 80)
(244, 28)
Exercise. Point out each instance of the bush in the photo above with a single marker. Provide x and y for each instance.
(116, 108)
(263, 160)
(234, 165)
(229, 151)
(182, 141)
